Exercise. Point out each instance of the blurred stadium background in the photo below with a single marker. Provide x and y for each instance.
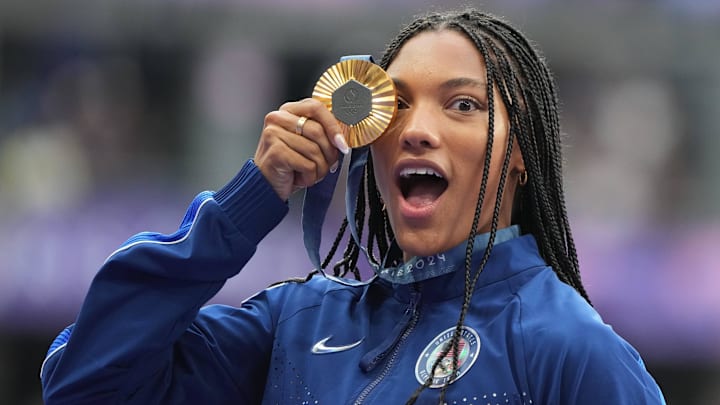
(113, 115)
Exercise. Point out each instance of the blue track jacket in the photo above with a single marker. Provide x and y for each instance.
(144, 336)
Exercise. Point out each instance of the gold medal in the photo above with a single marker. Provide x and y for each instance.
(362, 96)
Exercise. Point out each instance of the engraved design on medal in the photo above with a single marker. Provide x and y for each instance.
(352, 102)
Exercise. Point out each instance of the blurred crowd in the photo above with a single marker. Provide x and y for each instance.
(111, 122)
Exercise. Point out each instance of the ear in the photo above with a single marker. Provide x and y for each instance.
(518, 178)
(517, 165)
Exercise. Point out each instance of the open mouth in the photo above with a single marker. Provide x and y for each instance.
(421, 186)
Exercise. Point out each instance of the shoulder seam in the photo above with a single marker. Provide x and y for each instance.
(160, 242)
(57, 349)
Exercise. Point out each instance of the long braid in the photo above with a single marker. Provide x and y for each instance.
(455, 340)
(335, 244)
(540, 86)
(348, 263)
(377, 222)
(470, 284)
(469, 279)
(541, 166)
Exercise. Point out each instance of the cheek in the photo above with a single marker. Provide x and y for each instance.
(470, 154)
(501, 133)
(381, 172)
(381, 181)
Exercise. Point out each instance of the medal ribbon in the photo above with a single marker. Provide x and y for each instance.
(318, 197)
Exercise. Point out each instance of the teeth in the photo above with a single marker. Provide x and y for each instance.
(419, 170)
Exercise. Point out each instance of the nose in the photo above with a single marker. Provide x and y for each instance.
(420, 130)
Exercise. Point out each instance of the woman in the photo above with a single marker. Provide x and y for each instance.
(478, 300)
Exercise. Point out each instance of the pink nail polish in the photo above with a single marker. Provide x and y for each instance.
(341, 144)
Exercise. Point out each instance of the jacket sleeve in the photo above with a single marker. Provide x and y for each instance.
(141, 335)
(598, 368)
(575, 358)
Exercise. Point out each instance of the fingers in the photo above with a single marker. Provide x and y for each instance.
(311, 139)
(294, 152)
(316, 111)
(314, 158)
(312, 144)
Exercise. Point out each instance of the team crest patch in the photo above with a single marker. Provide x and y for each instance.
(469, 347)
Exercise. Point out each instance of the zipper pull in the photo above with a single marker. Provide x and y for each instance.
(370, 360)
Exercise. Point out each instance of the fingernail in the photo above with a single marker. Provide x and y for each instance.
(334, 167)
(341, 144)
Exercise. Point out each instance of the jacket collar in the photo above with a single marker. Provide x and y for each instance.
(507, 258)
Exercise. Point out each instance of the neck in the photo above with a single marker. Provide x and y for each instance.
(418, 268)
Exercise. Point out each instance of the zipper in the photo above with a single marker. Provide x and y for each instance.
(413, 314)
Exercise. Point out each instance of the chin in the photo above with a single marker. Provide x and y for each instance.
(421, 245)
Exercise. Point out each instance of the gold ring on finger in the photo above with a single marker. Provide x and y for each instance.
(300, 124)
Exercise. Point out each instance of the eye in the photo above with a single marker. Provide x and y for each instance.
(465, 104)
(401, 104)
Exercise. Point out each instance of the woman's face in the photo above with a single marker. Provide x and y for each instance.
(429, 164)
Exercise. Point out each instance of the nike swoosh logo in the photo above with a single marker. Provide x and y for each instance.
(321, 348)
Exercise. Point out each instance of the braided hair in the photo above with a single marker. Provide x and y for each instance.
(527, 90)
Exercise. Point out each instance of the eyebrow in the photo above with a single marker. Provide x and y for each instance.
(399, 84)
(464, 82)
(449, 84)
